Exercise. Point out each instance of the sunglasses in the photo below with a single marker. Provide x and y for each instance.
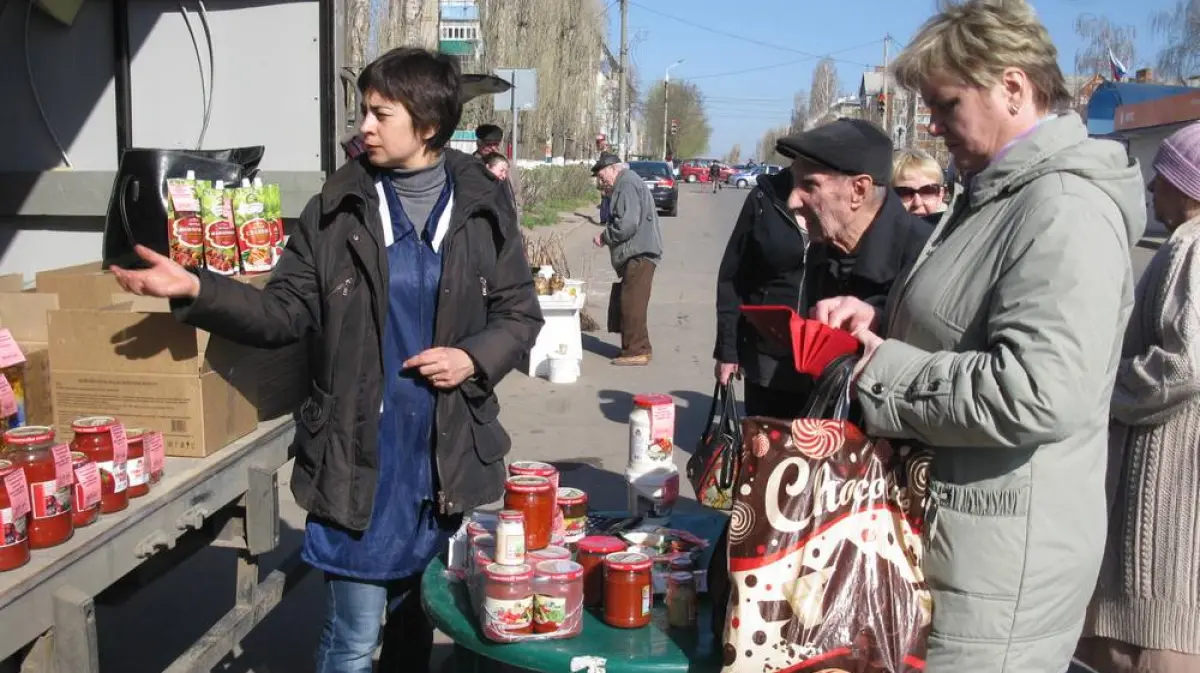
(923, 190)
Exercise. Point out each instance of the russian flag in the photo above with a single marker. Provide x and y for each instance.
(1118, 69)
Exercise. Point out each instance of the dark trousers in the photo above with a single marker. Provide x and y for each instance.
(352, 626)
(636, 280)
(772, 403)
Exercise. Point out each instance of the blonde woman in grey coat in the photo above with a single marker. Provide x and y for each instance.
(1003, 340)
(1146, 611)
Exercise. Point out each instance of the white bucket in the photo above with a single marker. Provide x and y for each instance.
(652, 493)
(563, 369)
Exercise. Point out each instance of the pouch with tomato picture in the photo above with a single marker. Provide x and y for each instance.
(185, 232)
(255, 241)
(220, 239)
(275, 218)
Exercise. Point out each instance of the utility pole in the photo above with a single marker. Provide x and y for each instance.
(666, 98)
(622, 103)
(887, 127)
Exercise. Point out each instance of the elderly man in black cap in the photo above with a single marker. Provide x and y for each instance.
(862, 237)
(488, 138)
(634, 241)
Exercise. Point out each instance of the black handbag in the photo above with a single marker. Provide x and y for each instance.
(137, 208)
(713, 467)
(614, 308)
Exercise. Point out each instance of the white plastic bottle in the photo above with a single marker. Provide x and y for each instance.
(510, 538)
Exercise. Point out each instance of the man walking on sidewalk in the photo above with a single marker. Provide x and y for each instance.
(634, 240)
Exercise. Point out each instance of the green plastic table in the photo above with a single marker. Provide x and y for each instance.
(657, 648)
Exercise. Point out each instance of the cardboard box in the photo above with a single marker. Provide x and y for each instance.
(80, 286)
(151, 371)
(24, 315)
(12, 282)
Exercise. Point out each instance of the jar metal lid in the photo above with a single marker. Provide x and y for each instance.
(29, 434)
(648, 400)
(93, 424)
(512, 515)
(502, 573)
(627, 561)
(528, 484)
(532, 468)
(571, 496)
(551, 553)
(681, 578)
(560, 570)
(601, 544)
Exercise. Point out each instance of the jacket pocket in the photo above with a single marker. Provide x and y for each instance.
(975, 559)
(492, 443)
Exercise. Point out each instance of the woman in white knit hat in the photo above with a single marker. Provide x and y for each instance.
(1145, 615)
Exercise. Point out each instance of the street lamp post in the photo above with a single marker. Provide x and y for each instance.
(666, 93)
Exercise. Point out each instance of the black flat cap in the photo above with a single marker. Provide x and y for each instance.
(606, 159)
(489, 133)
(850, 146)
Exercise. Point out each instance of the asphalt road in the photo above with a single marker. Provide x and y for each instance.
(581, 427)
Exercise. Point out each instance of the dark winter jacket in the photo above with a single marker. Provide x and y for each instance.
(332, 283)
(886, 251)
(763, 265)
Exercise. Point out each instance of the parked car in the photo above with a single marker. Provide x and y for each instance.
(659, 177)
(745, 177)
(696, 170)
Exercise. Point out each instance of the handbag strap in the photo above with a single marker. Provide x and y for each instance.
(831, 399)
(731, 424)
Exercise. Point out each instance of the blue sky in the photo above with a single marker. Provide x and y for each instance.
(762, 33)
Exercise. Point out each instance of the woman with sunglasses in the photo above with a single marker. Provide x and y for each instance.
(917, 178)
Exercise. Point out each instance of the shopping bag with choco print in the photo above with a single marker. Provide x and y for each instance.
(825, 545)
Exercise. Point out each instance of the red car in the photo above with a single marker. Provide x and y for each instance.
(696, 170)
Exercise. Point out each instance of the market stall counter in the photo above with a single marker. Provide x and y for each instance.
(228, 498)
(656, 648)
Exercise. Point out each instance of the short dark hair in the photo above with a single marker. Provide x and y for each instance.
(426, 83)
(492, 158)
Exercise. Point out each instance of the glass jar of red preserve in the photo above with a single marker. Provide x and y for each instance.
(558, 598)
(590, 554)
(136, 465)
(94, 437)
(32, 449)
(508, 601)
(14, 517)
(533, 496)
(85, 502)
(627, 593)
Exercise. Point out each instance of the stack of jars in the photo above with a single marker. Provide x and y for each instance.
(620, 582)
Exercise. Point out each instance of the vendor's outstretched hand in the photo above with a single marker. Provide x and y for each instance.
(164, 277)
(849, 313)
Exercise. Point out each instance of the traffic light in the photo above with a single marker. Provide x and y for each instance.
(674, 126)
(881, 105)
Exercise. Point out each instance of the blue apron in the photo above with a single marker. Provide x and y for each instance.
(404, 533)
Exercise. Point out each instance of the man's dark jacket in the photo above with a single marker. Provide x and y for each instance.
(884, 255)
(332, 283)
(763, 265)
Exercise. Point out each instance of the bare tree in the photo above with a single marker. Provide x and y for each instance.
(800, 112)
(766, 146)
(562, 40)
(685, 104)
(735, 154)
(1180, 25)
(824, 88)
(1100, 36)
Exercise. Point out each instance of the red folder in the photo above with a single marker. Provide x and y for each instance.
(814, 345)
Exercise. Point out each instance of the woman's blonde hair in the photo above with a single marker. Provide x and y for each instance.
(974, 41)
(906, 162)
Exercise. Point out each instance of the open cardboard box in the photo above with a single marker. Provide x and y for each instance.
(24, 315)
(281, 374)
(151, 371)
